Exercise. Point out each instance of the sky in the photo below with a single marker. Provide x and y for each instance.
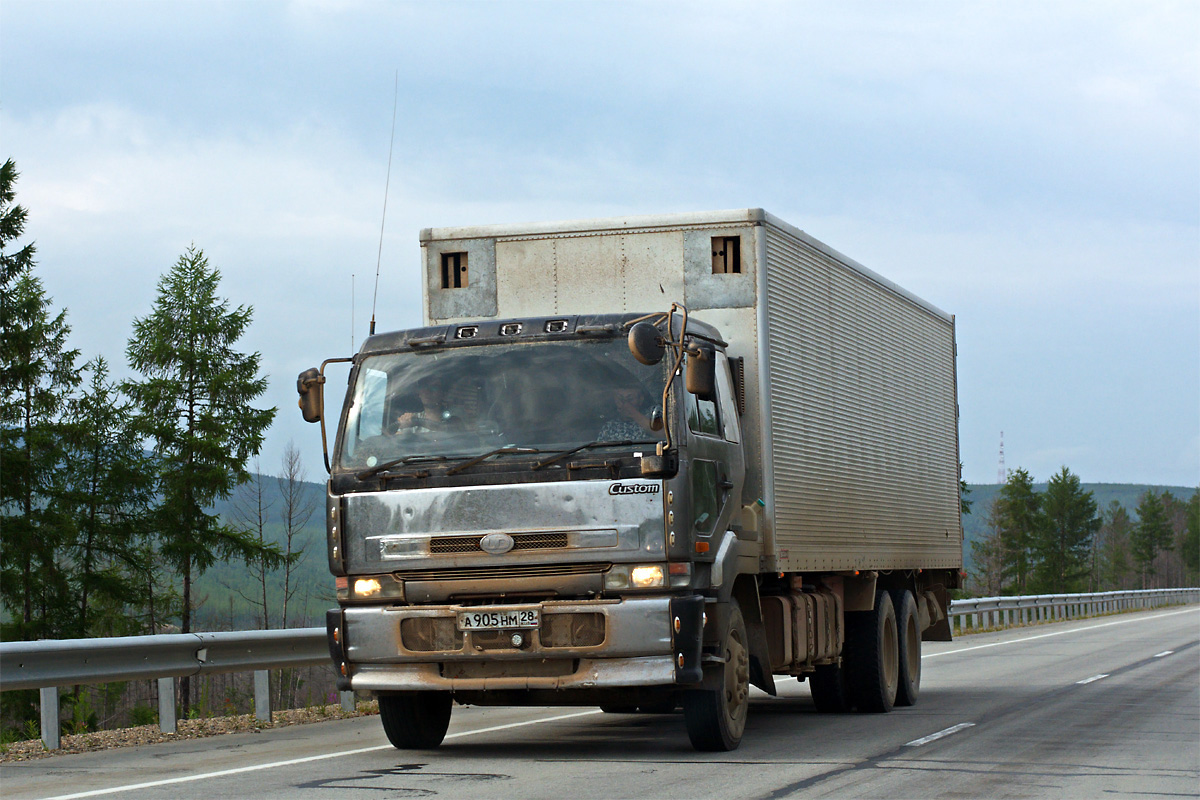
(1032, 168)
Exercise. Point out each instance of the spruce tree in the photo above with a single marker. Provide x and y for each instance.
(1017, 520)
(109, 489)
(1115, 567)
(37, 375)
(195, 402)
(1065, 536)
(1189, 550)
(1151, 536)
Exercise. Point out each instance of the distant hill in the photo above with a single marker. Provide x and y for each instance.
(223, 582)
(1127, 494)
(225, 607)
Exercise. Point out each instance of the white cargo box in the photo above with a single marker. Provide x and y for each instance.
(851, 421)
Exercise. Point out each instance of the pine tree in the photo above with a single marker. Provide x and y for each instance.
(1151, 536)
(1065, 536)
(195, 404)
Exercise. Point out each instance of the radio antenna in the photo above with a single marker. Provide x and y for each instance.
(386, 185)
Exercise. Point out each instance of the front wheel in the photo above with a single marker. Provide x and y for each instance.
(716, 714)
(415, 720)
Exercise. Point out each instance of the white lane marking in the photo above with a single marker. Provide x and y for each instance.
(1085, 681)
(1163, 653)
(1055, 633)
(256, 767)
(933, 737)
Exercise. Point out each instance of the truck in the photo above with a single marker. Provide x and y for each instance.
(643, 463)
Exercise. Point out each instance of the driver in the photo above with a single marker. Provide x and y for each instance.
(434, 415)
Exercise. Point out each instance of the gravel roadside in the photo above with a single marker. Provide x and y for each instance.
(187, 729)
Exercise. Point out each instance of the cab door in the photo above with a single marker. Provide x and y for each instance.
(716, 463)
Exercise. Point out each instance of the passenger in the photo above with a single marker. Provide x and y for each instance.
(434, 414)
(630, 420)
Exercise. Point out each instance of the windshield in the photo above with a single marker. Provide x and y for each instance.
(463, 401)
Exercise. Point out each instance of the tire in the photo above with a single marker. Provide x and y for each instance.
(873, 656)
(908, 640)
(829, 691)
(716, 714)
(415, 720)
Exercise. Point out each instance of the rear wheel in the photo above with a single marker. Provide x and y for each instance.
(829, 692)
(873, 655)
(716, 714)
(908, 629)
(415, 720)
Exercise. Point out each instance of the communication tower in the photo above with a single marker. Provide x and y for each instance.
(1001, 474)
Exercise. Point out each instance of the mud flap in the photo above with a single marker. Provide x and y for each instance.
(335, 634)
(687, 638)
(933, 604)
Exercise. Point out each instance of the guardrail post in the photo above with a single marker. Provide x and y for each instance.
(166, 705)
(347, 701)
(50, 732)
(262, 694)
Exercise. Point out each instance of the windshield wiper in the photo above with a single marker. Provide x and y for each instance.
(588, 446)
(481, 458)
(378, 468)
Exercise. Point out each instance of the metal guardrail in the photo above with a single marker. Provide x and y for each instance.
(980, 613)
(48, 664)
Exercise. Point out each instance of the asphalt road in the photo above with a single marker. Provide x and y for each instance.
(1099, 708)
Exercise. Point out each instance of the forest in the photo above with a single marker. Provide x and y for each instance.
(139, 506)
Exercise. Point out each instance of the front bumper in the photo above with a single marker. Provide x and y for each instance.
(651, 641)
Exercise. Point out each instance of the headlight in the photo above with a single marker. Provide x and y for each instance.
(646, 577)
(366, 587)
(370, 587)
(634, 576)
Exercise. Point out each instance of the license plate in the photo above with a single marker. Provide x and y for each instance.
(496, 620)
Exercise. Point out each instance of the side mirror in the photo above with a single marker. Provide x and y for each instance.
(702, 373)
(646, 343)
(656, 420)
(311, 394)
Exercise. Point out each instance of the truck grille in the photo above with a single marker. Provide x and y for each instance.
(503, 571)
(442, 545)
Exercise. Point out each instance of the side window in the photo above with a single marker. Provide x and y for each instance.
(702, 415)
(729, 414)
(704, 495)
(371, 403)
(366, 410)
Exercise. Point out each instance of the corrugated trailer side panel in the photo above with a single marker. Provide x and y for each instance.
(864, 427)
